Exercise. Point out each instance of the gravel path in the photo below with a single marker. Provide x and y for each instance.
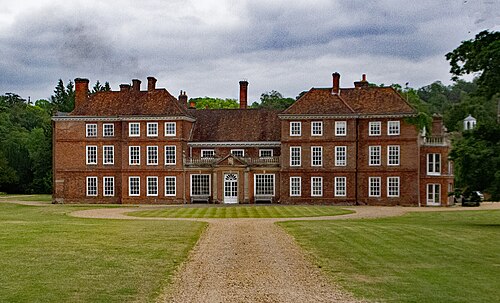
(254, 260)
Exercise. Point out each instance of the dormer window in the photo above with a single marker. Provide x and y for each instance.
(238, 152)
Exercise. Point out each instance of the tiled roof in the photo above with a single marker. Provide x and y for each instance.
(141, 103)
(375, 100)
(319, 101)
(364, 100)
(229, 125)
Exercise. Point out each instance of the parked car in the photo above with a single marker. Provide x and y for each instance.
(481, 196)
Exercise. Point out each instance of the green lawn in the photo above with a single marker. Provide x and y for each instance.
(243, 211)
(47, 256)
(420, 257)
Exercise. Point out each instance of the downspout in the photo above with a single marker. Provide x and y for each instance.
(419, 165)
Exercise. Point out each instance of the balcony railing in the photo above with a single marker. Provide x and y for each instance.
(435, 141)
(198, 161)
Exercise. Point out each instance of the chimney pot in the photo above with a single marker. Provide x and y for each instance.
(136, 85)
(243, 94)
(336, 83)
(151, 84)
(124, 87)
(183, 99)
(81, 91)
(362, 83)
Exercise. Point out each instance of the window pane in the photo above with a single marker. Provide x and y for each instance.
(264, 184)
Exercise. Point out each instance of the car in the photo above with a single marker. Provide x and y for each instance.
(481, 196)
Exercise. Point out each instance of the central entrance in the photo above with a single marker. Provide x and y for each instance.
(230, 188)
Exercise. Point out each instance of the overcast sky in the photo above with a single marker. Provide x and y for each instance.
(207, 47)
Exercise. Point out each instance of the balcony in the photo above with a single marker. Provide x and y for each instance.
(198, 161)
(435, 141)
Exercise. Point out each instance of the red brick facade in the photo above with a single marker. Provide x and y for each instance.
(347, 146)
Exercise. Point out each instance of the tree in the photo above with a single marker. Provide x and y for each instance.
(423, 117)
(476, 155)
(214, 103)
(273, 100)
(479, 55)
(64, 97)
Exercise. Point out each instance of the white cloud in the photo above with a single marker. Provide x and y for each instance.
(206, 47)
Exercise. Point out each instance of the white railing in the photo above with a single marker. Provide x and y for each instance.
(435, 141)
(252, 161)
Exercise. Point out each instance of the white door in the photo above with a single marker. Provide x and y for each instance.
(433, 194)
(230, 188)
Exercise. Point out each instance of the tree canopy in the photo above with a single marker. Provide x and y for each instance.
(479, 55)
(214, 103)
(273, 100)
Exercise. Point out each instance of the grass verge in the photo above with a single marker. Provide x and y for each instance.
(420, 257)
(37, 198)
(243, 211)
(47, 256)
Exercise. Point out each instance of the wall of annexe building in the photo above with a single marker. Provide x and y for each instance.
(72, 170)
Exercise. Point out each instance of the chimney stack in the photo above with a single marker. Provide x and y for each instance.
(151, 84)
(192, 105)
(183, 99)
(124, 87)
(336, 83)
(81, 91)
(136, 85)
(243, 94)
(362, 83)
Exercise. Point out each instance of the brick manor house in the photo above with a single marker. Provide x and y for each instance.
(332, 146)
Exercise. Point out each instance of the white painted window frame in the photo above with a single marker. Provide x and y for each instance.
(152, 129)
(108, 130)
(152, 191)
(94, 187)
(168, 157)
(152, 155)
(316, 156)
(91, 130)
(89, 151)
(374, 185)
(393, 155)
(393, 128)
(375, 128)
(393, 187)
(316, 126)
(341, 151)
(295, 186)
(340, 186)
(340, 125)
(265, 176)
(266, 150)
(130, 162)
(174, 178)
(374, 156)
(130, 178)
(295, 126)
(105, 150)
(169, 134)
(106, 190)
(314, 184)
(131, 125)
(299, 161)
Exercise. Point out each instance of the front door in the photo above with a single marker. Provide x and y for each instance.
(230, 188)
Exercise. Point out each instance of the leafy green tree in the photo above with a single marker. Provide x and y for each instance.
(476, 155)
(273, 100)
(424, 115)
(479, 55)
(214, 103)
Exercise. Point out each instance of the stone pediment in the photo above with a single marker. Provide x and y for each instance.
(231, 160)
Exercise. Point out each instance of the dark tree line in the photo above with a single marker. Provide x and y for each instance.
(26, 138)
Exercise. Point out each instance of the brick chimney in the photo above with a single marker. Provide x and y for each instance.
(124, 87)
(336, 83)
(183, 99)
(243, 94)
(136, 85)
(81, 91)
(362, 83)
(151, 84)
